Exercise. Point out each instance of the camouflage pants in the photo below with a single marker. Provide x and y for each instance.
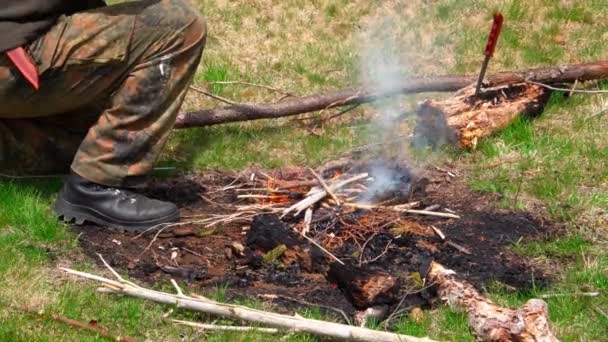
(112, 80)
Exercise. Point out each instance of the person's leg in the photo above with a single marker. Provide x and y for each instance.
(140, 58)
(43, 146)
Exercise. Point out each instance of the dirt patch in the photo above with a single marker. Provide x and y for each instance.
(478, 245)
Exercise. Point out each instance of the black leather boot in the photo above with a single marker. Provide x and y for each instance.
(117, 209)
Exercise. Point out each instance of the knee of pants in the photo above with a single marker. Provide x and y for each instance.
(190, 16)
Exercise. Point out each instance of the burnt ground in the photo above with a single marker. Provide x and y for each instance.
(204, 259)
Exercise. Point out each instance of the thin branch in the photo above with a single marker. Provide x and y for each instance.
(76, 324)
(322, 248)
(571, 90)
(225, 327)
(342, 112)
(400, 210)
(276, 90)
(324, 185)
(213, 96)
(178, 289)
(388, 245)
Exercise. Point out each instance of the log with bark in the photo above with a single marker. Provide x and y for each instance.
(465, 118)
(490, 322)
(299, 105)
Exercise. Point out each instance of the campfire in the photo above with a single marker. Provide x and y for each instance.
(361, 238)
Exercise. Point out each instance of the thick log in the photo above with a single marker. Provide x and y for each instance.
(464, 119)
(490, 322)
(311, 103)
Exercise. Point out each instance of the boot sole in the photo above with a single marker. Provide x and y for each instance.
(76, 214)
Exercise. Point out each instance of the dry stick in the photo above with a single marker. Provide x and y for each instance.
(324, 185)
(316, 197)
(363, 248)
(322, 248)
(316, 327)
(458, 247)
(581, 294)
(76, 324)
(388, 245)
(307, 221)
(407, 293)
(224, 327)
(256, 85)
(571, 90)
(213, 96)
(342, 112)
(600, 311)
(405, 211)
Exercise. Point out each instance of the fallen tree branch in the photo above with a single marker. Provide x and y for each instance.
(299, 105)
(290, 323)
(490, 322)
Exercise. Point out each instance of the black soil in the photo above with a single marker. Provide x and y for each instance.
(480, 251)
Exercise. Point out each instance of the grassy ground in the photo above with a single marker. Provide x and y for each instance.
(556, 163)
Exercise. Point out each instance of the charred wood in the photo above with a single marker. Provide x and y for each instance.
(364, 287)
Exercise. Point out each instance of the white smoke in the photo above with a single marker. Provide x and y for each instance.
(381, 70)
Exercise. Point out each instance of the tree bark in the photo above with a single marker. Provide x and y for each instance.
(464, 119)
(490, 322)
(311, 103)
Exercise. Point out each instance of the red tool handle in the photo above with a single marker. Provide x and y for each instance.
(494, 34)
(25, 65)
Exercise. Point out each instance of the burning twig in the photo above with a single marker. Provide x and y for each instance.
(321, 328)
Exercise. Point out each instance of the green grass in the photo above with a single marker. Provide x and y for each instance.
(557, 162)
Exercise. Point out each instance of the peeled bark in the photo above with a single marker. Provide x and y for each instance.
(311, 103)
(464, 119)
(490, 322)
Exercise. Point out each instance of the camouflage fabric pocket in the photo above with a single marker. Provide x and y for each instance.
(92, 37)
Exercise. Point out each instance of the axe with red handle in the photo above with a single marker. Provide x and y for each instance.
(25, 65)
(490, 47)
